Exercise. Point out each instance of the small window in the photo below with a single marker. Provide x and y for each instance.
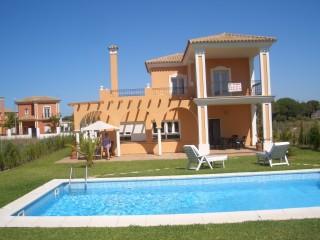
(169, 130)
(26, 111)
(177, 84)
(132, 132)
(47, 112)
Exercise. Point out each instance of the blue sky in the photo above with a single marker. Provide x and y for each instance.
(59, 47)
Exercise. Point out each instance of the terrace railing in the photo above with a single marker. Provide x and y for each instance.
(233, 88)
(174, 92)
(224, 89)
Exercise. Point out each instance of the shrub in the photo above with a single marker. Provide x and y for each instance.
(314, 136)
(17, 152)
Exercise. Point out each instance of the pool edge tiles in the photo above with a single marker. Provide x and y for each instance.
(7, 220)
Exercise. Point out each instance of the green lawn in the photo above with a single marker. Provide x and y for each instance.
(18, 181)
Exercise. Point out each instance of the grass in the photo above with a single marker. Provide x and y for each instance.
(267, 230)
(17, 182)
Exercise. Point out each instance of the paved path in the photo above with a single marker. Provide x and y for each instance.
(164, 156)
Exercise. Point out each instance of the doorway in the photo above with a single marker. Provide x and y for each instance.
(214, 132)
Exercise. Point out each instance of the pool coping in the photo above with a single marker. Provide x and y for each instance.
(6, 220)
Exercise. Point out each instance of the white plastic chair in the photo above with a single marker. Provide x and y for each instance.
(278, 151)
(194, 157)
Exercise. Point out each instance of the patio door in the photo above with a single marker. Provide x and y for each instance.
(219, 82)
(214, 132)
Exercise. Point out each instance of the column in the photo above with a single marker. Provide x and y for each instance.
(266, 91)
(159, 141)
(20, 128)
(77, 138)
(118, 153)
(253, 106)
(201, 81)
(253, 125)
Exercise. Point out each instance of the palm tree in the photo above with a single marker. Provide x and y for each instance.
(55, 120)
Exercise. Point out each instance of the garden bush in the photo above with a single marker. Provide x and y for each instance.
(16, 152)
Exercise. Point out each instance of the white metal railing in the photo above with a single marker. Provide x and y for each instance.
(85, 177)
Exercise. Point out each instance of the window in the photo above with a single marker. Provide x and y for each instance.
(177, 85)
(169, 130)
(26, 111)
(219, 83)
(132, 132)
(47, 112)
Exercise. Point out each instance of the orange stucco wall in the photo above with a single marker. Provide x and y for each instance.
(153, 107)
(234, 120)
(240, 71)
(160, 76)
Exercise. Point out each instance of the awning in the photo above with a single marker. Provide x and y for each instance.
(233, 100)
(99, 126)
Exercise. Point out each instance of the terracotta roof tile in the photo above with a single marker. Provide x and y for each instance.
(232, 37)
(218, 38)
(172, 58)
(38, 99)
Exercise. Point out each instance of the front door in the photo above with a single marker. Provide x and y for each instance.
(214, 132)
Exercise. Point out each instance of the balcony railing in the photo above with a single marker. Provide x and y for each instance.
(256, 88)
(235, 89)
(153, 91)
(225, 89)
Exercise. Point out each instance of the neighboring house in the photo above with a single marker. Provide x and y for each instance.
(3, 116)
(35, 112)
(199, 96)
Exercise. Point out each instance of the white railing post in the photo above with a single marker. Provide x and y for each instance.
(118, 142)
(30, 132)
(38, 132)
(159, 142)
(8, 132)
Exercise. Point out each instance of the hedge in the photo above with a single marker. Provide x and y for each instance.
(16, 152)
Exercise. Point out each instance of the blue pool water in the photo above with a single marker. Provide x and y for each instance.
(190, 195)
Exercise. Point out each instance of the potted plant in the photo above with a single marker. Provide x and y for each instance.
(259, 145)
(88, 148)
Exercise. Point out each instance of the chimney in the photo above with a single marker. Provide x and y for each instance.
(2, 105)
(113, 52)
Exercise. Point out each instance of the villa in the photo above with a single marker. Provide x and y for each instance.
(207, 93)
(35, 112)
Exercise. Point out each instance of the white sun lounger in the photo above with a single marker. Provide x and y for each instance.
(278, 151)
(195, 158)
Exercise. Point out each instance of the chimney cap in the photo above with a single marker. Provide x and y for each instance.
(113, 48)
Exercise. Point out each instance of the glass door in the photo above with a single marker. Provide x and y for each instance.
(219, 83)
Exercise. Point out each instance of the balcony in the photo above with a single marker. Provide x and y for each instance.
(27, 117)
(233, 93)
(234, 88)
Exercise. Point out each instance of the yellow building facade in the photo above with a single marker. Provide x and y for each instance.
(201, 96)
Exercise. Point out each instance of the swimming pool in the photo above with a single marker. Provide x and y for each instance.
(176, 196)
(152, 201)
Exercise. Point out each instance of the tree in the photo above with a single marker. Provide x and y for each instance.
(301, 134)
(286, 108)
(312, 106)
(314, 136)
(55, 120)
(10, 120)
